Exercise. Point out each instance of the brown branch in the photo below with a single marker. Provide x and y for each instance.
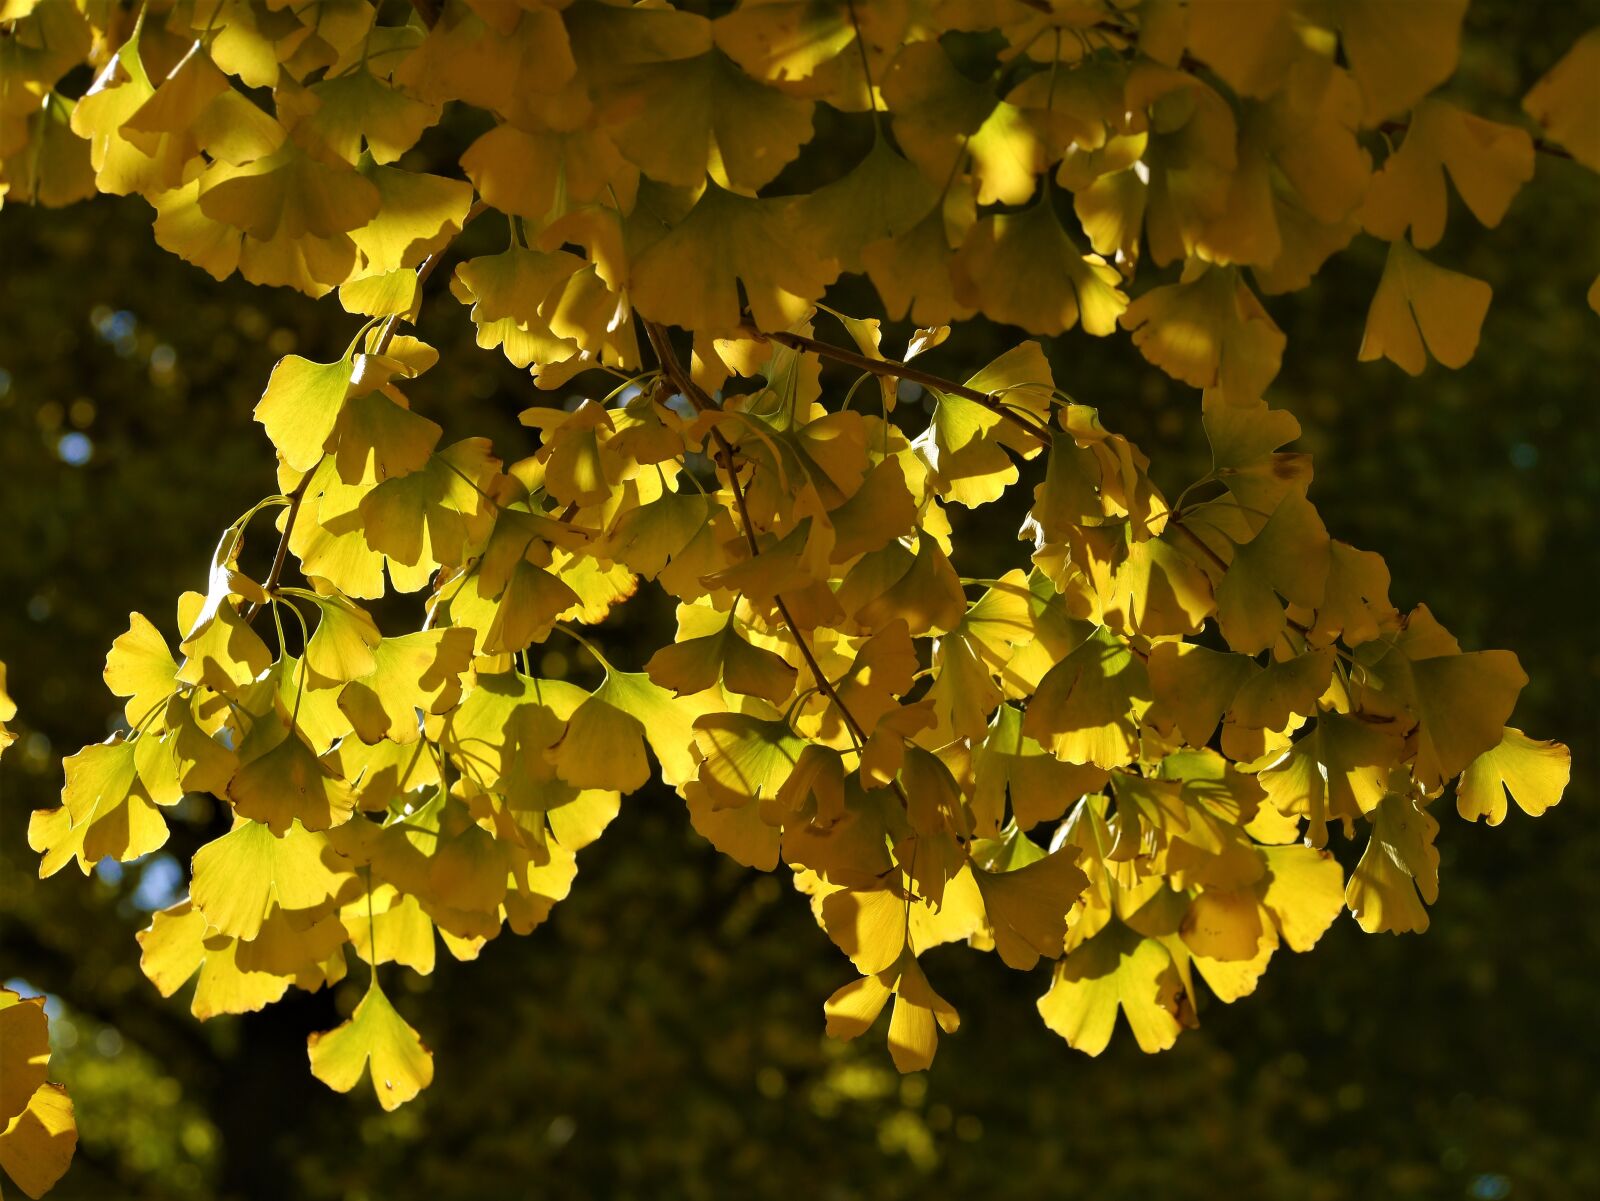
(697, 397)
(894, 369)
(282, 554)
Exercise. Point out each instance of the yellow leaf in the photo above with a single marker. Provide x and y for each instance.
(285, 784)
(869, 926)
(882, 196)
(24, 1051)
(919, 1012)
(1086, 708)
(1288, 558)
(1197, 685)
(1023, 268)
(1399, 861)
(603, 746)
(1460, 702)
(376, 1036)
(1304, 892)
(1027, 907)
(1534, 773)
(239, 877)
(342, 647)
(376, 439)
(1420, 303)
(415, 671)
(105, 811)
(429, 518)
(1487, 162)
(417, 215)
(1340, 770)
(179, 943)
(1209, 331)
(344, 113)
(1566, 101)
(36, 1147)
(696, 662)
(1116, 969)
(141, 668)
(912, 272)
(288, 193)
(691, 275)
(1041, 787)
(1399, 52)
(301, 407)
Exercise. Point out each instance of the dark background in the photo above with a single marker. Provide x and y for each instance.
(662, 1035)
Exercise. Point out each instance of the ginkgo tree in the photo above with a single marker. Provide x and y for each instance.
(1124, 755)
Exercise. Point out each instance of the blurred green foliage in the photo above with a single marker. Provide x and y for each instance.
(662, 1036)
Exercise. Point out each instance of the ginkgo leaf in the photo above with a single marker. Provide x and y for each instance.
(882, 196)
(1399, 863)
(375, 1039)
(745, 758)
(1041, 788)
(868, 926)
(677, 107)
(1023, 268)
(1086, 709)
(377, 438)
(693, 664)
(1460, 702)
(36, 1146)
(428, 518)
(417, 214)
(1245, 453)
(342, 647)
(290, 194)
(919, 1012)
(603, 746)
(24, 1051)
(912, 272)
(141, 668)
(692, 273)
(1027, 907)
(347, 113)
(286, 784)
(1399, 52)
(1487, 162)
(1340, 770)
(1209, 331)
(420, 671)
(1117, 969)
(1419, 303)
(105, 811)
(1565, 101)
(239, 877)
(1288, 558)
(180, 943)
(1535, 774)
(1197, 685)
(301, 406)
(1304, 891)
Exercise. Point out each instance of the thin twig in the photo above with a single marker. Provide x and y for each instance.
(276, 572)
(697, 397)
(895, 369)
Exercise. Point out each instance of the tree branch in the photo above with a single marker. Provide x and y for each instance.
(894, 369)
(697, 397)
